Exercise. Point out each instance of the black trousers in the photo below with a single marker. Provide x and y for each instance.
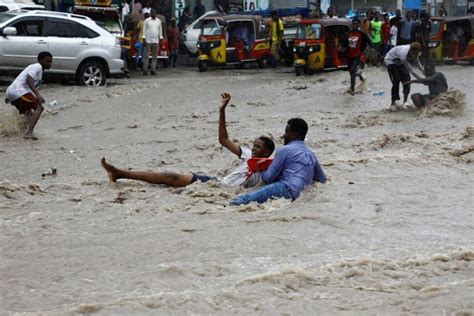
(399, 74)
(353, 65)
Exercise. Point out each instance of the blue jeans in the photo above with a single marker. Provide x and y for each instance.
(272, 190)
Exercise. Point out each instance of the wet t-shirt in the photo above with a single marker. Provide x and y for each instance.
(355, 44)
(238, 177)
(437, 83)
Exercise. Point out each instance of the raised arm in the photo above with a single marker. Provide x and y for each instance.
(224, 139)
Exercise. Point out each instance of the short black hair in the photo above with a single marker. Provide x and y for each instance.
(43, 55)
(299, 127)
(274, 13)
(355, 20)
(267, 143)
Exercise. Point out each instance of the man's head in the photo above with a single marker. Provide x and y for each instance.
(398, 13)
(173, 21)
(385, 18)
(45, 59)
(377, 16)
(414, 52)
(424, 16)
(147, 15)
(409, 15)
(355, 24)
(330, 12)
(296, 129)
(429, 69)
(263, 147)
(274, 15)
(153, 14)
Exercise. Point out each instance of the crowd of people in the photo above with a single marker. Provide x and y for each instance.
(293, 167)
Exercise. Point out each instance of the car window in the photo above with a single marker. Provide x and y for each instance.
(65, 28)
(197, 25)
(3, 8)
(28, 27)
(5, 17)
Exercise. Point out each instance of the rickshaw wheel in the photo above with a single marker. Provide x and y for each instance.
(299, 71)
(203, 66)
(166, 63)
(261, 62)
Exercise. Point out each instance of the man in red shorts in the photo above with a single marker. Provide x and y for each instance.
(24, 95)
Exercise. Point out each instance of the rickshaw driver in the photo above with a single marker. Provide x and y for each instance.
(262, 148)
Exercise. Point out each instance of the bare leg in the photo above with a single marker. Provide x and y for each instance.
(33, 119)
(168, 178)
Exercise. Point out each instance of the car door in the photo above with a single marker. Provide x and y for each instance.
(22, 49)
(67, 39)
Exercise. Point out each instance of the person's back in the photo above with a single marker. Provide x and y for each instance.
(299, 167)
(437, 84)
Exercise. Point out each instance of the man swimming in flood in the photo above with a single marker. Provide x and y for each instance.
(262, 148)
(436, 83)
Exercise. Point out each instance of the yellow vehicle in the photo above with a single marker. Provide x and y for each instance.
(317, 42)
(232, 40)
(452, 39)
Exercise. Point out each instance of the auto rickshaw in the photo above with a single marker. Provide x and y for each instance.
(317, 43)
(232, 40)
(452, 39)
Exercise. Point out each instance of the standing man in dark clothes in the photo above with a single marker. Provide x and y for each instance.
(173, 40)
(199, 9)
(406, 29)
(436, 83)
(354, 43)
(423, 31)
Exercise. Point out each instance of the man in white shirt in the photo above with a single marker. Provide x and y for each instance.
(262, 148)
(24, 95)
(152, 35)
(398, 61)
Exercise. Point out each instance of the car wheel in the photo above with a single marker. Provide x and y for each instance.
(92, 73)
(203, 66)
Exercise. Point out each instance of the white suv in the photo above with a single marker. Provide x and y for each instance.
(80, 47)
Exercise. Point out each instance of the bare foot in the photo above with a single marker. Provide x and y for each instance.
(30, 136)
(111, 170)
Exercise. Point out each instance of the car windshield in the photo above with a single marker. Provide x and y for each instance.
(210, 27)
(107, 20)
(435, 27)
(309, 31)
(5, 17)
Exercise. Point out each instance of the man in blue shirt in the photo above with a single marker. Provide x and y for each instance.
(293, 168)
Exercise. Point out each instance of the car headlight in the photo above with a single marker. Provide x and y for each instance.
(294, 49)
(433, 44)
(198, 45)
(212, 45)
(311, 49)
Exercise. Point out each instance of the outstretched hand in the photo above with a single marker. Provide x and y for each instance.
(225, 100)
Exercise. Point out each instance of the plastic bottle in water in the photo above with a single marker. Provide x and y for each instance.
(379, 92)
(52, 104)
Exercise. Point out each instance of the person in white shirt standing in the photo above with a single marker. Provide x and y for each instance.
(24, 95)
(398, 61)
(152, 35)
